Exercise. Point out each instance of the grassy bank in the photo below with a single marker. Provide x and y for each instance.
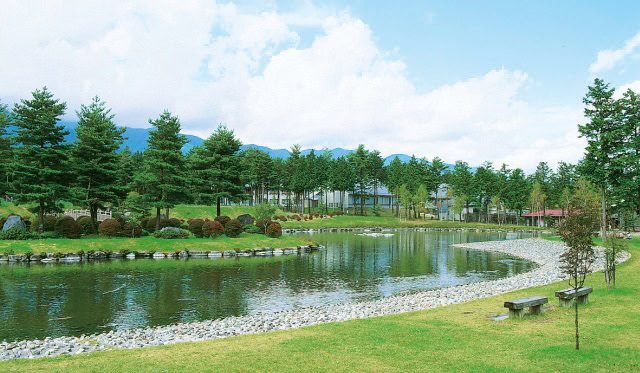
(386, 220)
(346, 221)
(245, 241)
(453, 338)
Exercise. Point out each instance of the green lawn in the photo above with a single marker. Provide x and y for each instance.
(453, 338)
(149, 243)
(8, 208)
(347, 221)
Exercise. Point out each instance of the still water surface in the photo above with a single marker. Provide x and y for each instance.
(41, 300)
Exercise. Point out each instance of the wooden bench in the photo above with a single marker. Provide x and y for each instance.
(517, 306)
(582, 295)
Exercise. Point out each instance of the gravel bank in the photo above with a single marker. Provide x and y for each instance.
(544, 253)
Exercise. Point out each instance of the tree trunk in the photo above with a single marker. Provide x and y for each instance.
(157, 218)
(466, 215)
(603, 224)
(218, 212)
(167, 213)
(577, 334)
(41, 217)
(93, 211)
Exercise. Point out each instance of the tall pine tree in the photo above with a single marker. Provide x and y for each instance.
(95, 159)
(5, 149)
(217, 168)
(601, 132)
(164, 165)
(41, 172)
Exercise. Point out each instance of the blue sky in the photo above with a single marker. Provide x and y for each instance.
(555, 42)
(473, 81)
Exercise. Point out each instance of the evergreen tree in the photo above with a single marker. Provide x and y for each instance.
(484, 182)
(257, 168)
(5, 150)
(517, 194)
(217, 168)
(461, 180)
(323, 166)
(95, 159)
(394, 179)
(544, 177)
(295, 168)
(376, 164)
(437, 170)
(601, 132)
(164, 165)
(127, 169)
(41, 172)
(628, 188)
(341, 178)
(310, 177)
(359, 161)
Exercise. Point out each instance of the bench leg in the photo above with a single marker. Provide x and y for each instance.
(583, 299)
(565, 302)
(516, 313)
(536, 310)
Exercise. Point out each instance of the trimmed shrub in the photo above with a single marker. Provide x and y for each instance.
(67, 227)
(250, 228)
(129, 230)
(151, 224)
(49, 235)
(17, 234)
(109, 228)
(222, 219)
(144, 223)
(212, 228)
(263, 224)
(339, 213)
(274, 230)
(49, 224)
(86, 224)
(173, 222)
(171, 234)
(233, 228)
(195, 227)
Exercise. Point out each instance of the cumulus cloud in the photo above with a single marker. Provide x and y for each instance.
(634, 86)
(214, 63)
(608, 58)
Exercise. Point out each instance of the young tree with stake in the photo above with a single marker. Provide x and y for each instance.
(577, 231)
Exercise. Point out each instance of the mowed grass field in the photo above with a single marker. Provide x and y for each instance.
(458, 338)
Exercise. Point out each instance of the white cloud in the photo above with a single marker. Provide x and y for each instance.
(211, 63)
(634, 86)
(608, 58)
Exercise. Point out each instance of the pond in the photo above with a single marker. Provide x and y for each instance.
(50, 300)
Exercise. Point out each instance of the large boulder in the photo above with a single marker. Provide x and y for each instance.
(245, 219)
(14, 222)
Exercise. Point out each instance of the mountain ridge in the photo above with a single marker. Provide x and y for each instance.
(136, 140)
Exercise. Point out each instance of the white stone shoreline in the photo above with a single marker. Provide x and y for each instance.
(543, 252)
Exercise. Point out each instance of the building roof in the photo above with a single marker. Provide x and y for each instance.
(556, 213)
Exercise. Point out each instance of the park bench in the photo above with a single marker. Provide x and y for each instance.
(517, 306)
(582, 295)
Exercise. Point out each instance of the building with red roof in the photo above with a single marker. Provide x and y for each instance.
(538, 217)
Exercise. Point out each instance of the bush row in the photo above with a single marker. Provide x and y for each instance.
(68, 227)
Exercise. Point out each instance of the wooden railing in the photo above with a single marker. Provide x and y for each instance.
(102, 214)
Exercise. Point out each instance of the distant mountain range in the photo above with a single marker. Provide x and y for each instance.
(137, 142)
